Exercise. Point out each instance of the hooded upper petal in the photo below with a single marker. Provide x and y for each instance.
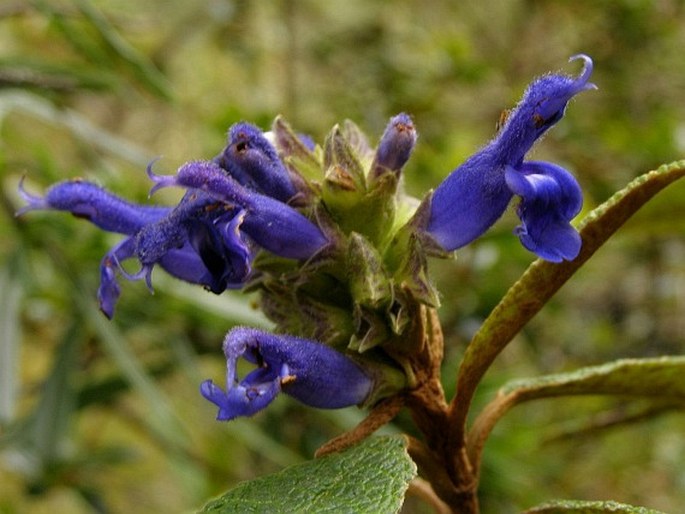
(253, 161)
(542, 106)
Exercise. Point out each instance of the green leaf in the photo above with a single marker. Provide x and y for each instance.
(588, 507)
(368, 478)
(543, 279)
(661, 378)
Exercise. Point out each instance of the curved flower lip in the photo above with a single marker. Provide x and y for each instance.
(311, 372)
(272, 224)
(582, 83)
(550, 198)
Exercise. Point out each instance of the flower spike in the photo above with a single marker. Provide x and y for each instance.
(311, 372)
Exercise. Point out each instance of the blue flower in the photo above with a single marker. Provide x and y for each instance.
(198, 241)
(311, 372)
(476, 194)
(202, 226)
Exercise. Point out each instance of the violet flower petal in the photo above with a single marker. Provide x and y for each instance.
(550, 198)
(109, 290)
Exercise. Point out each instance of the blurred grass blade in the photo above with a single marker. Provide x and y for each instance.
(80, 40)
(98, 41)
(41, 75)
(659, 378)
(10, 335)
(588, 507)
(230, 306)
(51, 418)
(142, 68)
(162, 417)
(543, 279)
(14, 100)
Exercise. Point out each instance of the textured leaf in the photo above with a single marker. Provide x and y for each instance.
(369, 478)
(661, 378)
(588, 507)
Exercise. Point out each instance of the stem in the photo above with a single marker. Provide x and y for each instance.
(446, 468)
(384, 412)
(460, 499)
(483, 425)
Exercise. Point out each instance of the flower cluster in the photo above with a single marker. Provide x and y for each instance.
(332, 243)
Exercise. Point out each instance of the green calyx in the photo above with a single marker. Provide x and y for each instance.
(357, 294)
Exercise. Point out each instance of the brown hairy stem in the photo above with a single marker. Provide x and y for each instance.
(381, 414)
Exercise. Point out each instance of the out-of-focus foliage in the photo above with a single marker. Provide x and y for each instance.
(106, 416)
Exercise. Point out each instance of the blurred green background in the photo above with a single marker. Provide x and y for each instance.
(99, 416)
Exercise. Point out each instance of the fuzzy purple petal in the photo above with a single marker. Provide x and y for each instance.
(468, 201)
